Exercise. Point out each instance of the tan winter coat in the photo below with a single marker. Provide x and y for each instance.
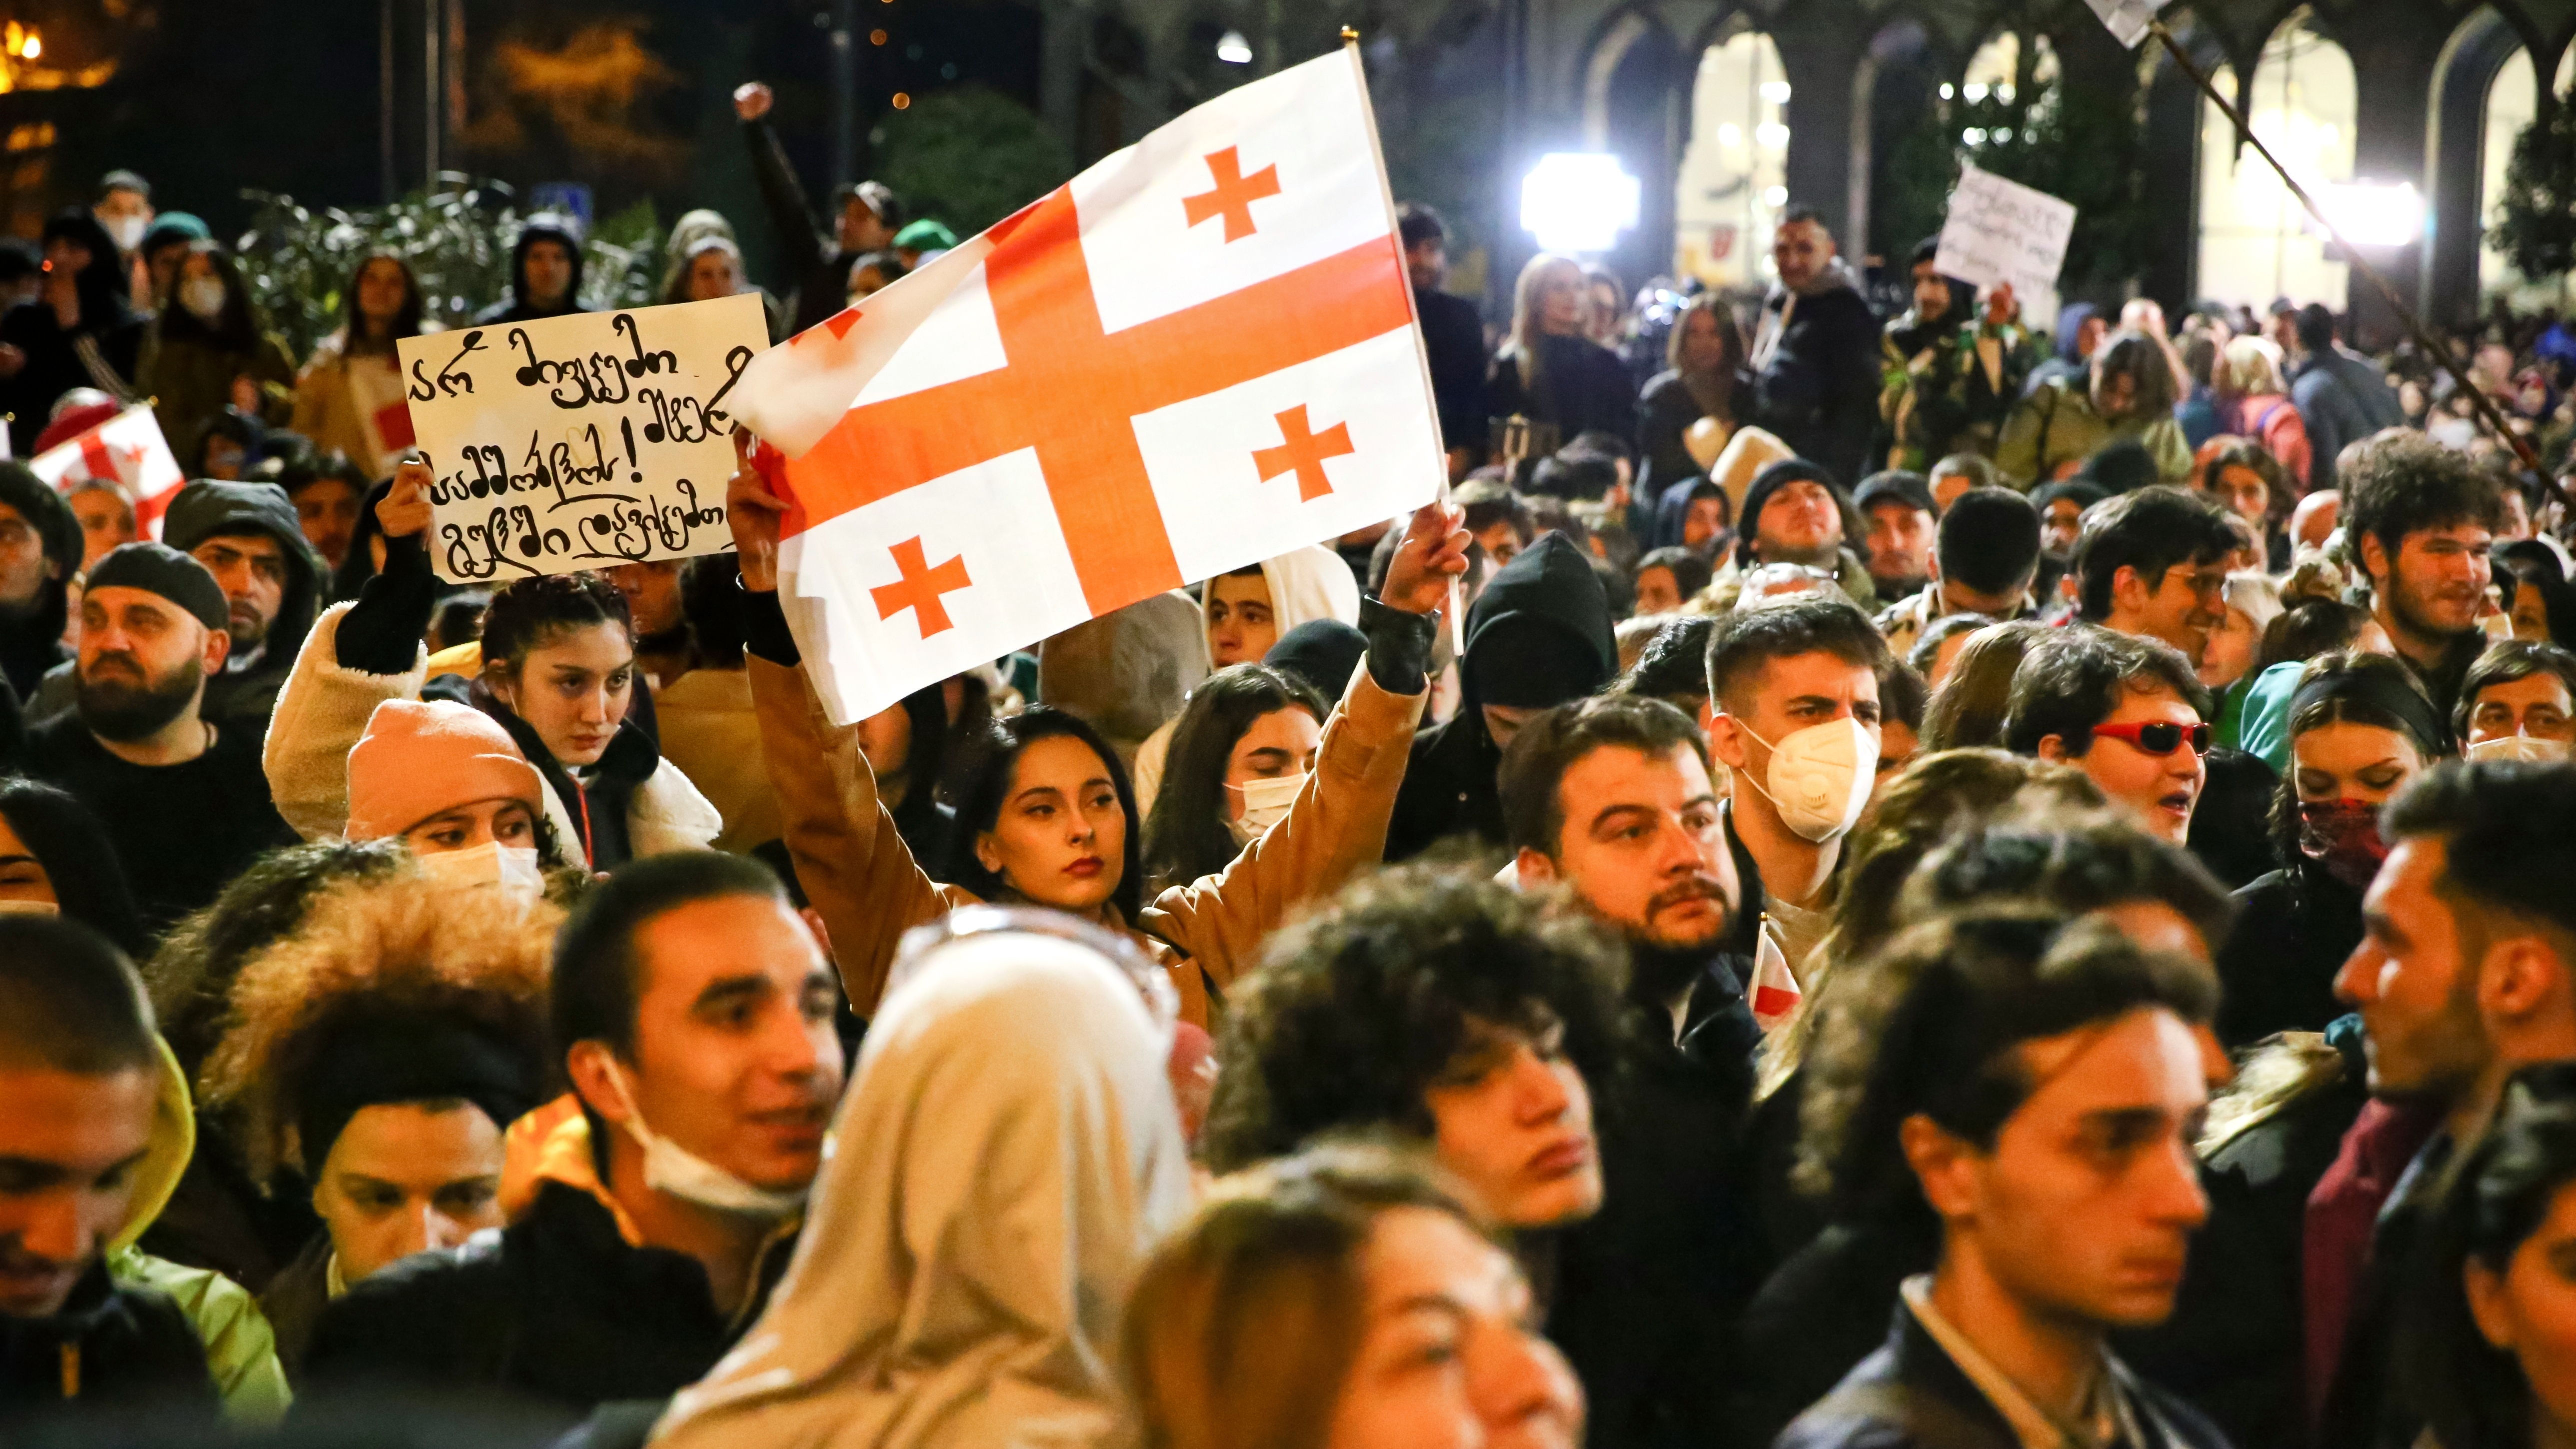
(861, 878)
(324, 709)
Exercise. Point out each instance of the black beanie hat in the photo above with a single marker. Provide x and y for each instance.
(57, 527)
(389, 1056)
(1776, 476)
(1325, 653)
(157, 568)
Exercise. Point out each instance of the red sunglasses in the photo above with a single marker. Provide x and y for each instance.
(2158, 737)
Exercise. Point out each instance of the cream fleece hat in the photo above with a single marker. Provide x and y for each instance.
(419, 757)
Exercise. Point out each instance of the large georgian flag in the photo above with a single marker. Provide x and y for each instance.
(1196, 355)
(127, 449)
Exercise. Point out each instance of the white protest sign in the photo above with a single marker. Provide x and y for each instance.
(582, 441)
(2003, 231)
(2129, 19)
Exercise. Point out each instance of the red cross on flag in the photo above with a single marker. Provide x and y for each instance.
(127, 449)
(1196, 355)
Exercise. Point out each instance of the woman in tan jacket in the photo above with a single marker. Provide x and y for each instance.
(1050, 819)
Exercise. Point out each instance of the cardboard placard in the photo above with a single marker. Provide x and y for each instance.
(2003, 231)
(581, 441)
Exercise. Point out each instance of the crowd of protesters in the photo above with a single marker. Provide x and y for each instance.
(1949, 888)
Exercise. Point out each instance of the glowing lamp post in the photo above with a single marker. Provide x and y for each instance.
(1578, 201)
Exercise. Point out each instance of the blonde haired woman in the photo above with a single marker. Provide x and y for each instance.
(2254, 401)
(1548, 371)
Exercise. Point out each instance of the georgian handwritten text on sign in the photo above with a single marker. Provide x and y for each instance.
(2003, 231)
(582, 441)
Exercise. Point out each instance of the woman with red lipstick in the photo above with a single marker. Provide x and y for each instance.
(1049, 817)
(2360, 727)
(558, 673)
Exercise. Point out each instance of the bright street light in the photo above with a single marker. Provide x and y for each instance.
(2374, 213)
(1578, 201)
(1233, 49)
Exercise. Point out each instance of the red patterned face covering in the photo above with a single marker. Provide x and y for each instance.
(2343, 836)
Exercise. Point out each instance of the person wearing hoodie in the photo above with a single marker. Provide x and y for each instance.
(692, 1011)
(94, 1125)
(1247, 612)
(557, 672)
(545, 272)
(962, 1284)
(1816, 351)
(2080, 330)
(80, 333)
(374, 1057)
(1538, 635)
(41, 545)
(249, 537)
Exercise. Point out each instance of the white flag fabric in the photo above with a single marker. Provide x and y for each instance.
(127, 449)
(1197, 354)
(1774, 993)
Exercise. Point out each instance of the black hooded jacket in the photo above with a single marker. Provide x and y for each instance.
(246, 693)
(1538, 635)
(31, 638)
(516, 307)
(113, 1349)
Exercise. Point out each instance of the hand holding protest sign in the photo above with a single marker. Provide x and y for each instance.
(581, 441)
(2003, 231)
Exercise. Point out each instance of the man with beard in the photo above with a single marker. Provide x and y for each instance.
(1611, 798)
(1815, 351)
(184, 799)
(2466, 974)
(2421, 519)
(249, 537)
(1795, 512)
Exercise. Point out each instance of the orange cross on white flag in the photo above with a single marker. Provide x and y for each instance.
(1197, 354)
(127, 450)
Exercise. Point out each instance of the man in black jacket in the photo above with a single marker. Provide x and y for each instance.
(1815, 352)
(1453, 336)
(1611, 798)
(816, 264)
(2034, 1089)
(545, 272)
(695, 1010)
(88, 1133)
(40, 550)
(1537, 636)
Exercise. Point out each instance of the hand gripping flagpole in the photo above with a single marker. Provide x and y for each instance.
(1457, 612)
(2441, 355)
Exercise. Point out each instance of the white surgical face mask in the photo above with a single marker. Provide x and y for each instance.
(203, 297)
(126, 232)
(2518, 747)
(1820, 776)
(1265, 803)
(29, 908)
(671, 1168)
(511, 869)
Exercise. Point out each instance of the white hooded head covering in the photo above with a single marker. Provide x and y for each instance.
(1307, 584)
(1006, 1158)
